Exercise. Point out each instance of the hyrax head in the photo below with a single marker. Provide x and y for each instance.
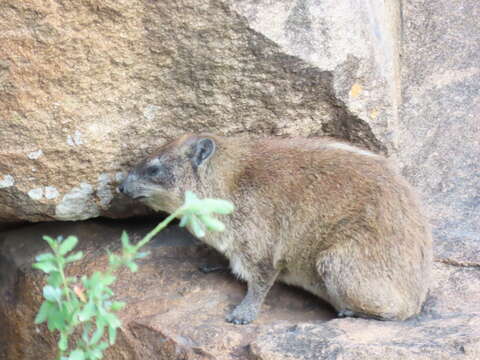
(160, 180)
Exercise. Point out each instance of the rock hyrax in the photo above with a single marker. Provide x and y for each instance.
(321, 214)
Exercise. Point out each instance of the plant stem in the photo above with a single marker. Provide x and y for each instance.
(158, 228)
(59, 354)
(62, 275)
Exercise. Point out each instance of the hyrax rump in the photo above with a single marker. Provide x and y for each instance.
(329, 217)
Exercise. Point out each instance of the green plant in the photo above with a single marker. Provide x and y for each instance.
(87, 306)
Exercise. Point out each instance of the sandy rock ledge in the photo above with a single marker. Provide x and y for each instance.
(175, 311)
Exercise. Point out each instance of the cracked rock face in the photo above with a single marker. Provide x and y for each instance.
(88, 89)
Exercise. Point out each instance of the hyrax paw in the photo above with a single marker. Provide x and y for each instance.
(241, 316)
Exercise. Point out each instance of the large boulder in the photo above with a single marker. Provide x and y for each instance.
(174, 311)
(438, 134)
(88, 88)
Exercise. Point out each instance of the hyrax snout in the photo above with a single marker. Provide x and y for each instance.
(320, 214)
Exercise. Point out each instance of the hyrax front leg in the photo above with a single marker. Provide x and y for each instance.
(258, 286)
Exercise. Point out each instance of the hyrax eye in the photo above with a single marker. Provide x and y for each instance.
(153, 170)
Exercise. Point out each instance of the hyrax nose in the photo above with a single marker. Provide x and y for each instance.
(121, 188)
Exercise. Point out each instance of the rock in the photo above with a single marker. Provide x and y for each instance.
(455, 337)
(448, 328)
(454, 288)
(87, 89)
(439, 133)
(174, 311)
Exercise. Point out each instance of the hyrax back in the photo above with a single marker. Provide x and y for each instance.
(317, 213)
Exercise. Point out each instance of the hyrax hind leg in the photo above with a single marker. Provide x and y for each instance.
(363, 284)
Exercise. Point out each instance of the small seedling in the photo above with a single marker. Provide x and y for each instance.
(87, 307)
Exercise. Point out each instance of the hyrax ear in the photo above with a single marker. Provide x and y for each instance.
(203, 149)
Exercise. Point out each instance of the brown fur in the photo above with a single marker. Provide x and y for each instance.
(333, 219)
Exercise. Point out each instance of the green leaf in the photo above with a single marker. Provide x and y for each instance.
(132, 266)
(192, 205)
(113, 259)
(75, 257)
(185, 220)
(125, 241)
(190, 197)
(117, 305)
(77, 354)
(197, 227)
(96, 354)
(87, 312)
(112, 320)
(108, 293)
(98, 333)
(56, 320)
(211, 223)
(50, 241)
(54, 279)
(95, 280)
(67, 245)
(108, 279)
(112, 334)
(45, 257)
(43, 312)
(70, 309)
(113, 323)
(63, 342)
(47, 267)
(195, 208)
(52, 293)
(85, 332)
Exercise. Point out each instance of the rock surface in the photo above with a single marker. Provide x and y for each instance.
(173, 308)
(439, 130)
(455, 337)
(174, 311)
(87, 89)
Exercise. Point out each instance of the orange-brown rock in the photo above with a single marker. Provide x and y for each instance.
(174, 311)
(88, 88)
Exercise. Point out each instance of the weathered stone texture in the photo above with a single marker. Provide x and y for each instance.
(176, 312)
(439, 131)
(173, 308)
(88, 88)
(356, 339)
